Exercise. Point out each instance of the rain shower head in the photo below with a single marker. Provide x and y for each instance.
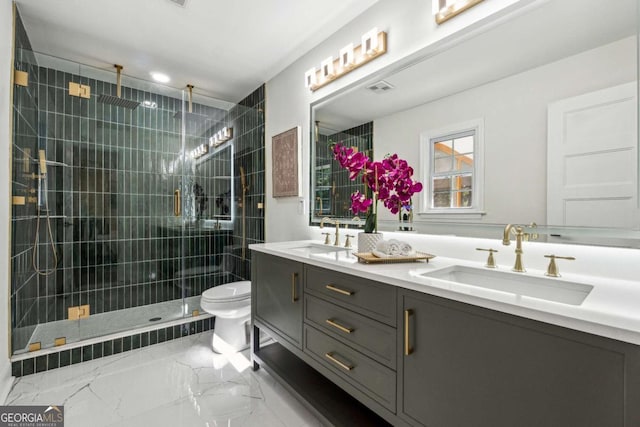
(117, 100)
(189, 116)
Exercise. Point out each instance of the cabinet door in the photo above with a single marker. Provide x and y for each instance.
(470, 366)
(278, 295)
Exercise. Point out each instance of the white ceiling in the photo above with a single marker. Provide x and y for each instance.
(225, 48)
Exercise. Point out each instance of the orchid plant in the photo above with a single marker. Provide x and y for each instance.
(389, 181)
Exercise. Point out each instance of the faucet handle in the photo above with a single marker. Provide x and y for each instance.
(532, 235)
(347, 242)
(552, 269)
(491, 262)
(326, 238)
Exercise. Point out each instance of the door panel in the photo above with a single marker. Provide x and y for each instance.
(592, 175)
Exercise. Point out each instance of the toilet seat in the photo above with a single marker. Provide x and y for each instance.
(230, 292)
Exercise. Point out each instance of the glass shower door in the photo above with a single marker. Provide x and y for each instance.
(206, 194)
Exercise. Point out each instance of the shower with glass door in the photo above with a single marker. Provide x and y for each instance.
(123, 205)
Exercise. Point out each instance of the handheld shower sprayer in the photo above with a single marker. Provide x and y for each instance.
(42, 181)
(243, 183)
(43, 206)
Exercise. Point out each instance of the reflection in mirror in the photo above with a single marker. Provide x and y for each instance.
(554, 84)
(214, 195)
(332, 186)
(452, 172)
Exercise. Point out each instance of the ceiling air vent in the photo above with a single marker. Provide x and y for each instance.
(179, 2)
(380, 87)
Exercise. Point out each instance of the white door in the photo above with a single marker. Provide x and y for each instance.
(592, 163)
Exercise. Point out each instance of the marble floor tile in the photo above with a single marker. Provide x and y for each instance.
(177, 383)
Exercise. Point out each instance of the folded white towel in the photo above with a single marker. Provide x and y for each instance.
(379, 254)
(404, 249)
(388, 247)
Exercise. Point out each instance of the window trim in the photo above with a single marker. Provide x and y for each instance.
(426, 153)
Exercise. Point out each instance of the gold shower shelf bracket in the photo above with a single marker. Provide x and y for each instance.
(82, 91)
(78, 312)
(21, 78)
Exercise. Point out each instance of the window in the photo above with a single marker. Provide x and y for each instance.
(453, 170)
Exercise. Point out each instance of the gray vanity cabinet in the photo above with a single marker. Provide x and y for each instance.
(461, 365)
(277, 295)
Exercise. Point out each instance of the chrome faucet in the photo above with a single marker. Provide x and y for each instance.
(337, 224)
(506, 240)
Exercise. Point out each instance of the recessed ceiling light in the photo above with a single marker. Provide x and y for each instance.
(160, 77)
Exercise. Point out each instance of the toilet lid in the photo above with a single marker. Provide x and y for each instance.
(229, 292)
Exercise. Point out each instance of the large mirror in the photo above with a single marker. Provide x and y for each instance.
(551, 95)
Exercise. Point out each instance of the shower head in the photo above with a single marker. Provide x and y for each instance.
(42, 182)
(117, 100)
(189, 116)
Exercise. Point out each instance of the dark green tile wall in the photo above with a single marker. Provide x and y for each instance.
(110, 198)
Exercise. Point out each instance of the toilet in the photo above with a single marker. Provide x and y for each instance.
(231, 304)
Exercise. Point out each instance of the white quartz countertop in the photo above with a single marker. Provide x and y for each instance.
(612, 308)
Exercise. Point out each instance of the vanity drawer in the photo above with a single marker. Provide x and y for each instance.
(373, 299)
(373, 338)
(368, 376)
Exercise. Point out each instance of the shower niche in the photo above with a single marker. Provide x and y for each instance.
(102, 226)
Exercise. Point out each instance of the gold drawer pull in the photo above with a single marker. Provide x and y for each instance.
(339, 326)
(338, 290)
(337, 362)
(407, 345)
(294, 293)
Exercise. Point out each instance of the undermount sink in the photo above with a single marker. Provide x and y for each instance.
(325, 252)
(318, 248)
(549, 289)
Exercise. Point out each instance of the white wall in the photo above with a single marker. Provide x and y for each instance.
(6, 46)
(411, 30)
(514, 110)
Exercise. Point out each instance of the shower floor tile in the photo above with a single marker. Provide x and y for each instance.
(110, 322)
(177, 383)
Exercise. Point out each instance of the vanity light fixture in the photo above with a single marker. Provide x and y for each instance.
(369, 44)
(149, 104)
(374, 44)
(222, 136)
(346, 57)
(199, 151)
(447, 9)
(310, 79)
(327, 68)
(160, 77)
